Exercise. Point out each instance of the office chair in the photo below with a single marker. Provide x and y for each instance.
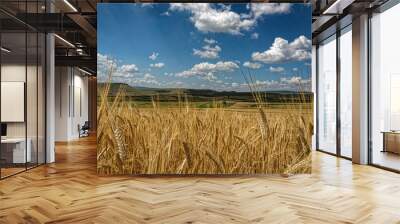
(84, 130)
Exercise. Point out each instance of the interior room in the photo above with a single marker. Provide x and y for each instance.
(22, 100)
(55, 105)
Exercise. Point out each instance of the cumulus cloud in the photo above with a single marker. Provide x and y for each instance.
(283, 51)
(208, 51)
(210, 41)
(157, 65)
(276, 69)
(153, 56)
(252, 65)
(221, 19)
(125, 71)
(146, 79)
(254, 36)
(209, 18)
(132, 68)
(295, 83)
(259, 10)
(208, 70)
(106, 63)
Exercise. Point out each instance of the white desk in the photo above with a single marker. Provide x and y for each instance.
(18, 149)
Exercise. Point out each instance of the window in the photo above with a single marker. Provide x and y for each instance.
(327, 95)
(385, 89)
(346, 92)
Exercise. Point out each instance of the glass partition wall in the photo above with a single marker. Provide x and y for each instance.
(385, 89)
(327, 95)
(345, 91)
(22, 77)
(334, 94)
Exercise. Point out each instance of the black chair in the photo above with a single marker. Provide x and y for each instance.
(84, 130)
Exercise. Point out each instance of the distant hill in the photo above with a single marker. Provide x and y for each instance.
(139, 93)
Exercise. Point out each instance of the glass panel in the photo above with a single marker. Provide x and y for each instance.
(327, 96)
(31, 98)
(31, 88)
(13, 87)
(385, 84)
(41, 98)
(346, 92)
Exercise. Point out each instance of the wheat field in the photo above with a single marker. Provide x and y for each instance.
(187, 140)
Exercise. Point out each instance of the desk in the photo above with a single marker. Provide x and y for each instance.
(13, 150)
(391, 141)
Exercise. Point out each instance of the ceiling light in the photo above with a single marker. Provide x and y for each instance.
(337, 7)
(84, 71)
(64, 40)
(70, 5)
(5, 50)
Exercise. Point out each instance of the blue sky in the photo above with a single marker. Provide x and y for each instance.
(206, 46)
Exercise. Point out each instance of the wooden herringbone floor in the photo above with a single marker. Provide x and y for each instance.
(69, 191)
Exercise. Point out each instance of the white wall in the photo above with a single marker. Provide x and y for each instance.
(70, 83)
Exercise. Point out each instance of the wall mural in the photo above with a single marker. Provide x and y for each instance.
(201, 88)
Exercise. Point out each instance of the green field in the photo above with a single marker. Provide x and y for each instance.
(205, 98)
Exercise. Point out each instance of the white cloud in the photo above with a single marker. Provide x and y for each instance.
(146, 79)
(126, 71)
(208, 52)
(132, 68)
(259, 10)
(234, 84)
(153, 56)
(210, 41)
(254, 36)
(296, 81)
(148, 76)
(252, 65)
(276, 69)
(208, 70)
(220, 18)
(157, 65)
(295, 69)
(208, 18)
(148, 4)
(283, 51)
(104, 65)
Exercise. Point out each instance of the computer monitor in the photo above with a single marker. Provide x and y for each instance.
(3, 129)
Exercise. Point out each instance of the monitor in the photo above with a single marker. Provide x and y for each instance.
(3, 129)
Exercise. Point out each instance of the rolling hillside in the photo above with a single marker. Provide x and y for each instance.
(201, 95)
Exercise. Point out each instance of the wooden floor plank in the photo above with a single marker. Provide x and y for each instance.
(70, 191)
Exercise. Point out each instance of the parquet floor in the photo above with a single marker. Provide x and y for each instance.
(69, 191)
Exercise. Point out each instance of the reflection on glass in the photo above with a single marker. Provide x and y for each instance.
(41, 99)
(346, 93)
(385, 84)
(13, 85)
(327, 96)
(31, 99)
